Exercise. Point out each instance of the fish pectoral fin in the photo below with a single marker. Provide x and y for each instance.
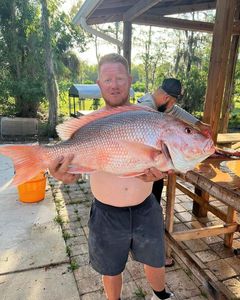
(141, 150)
(79, 170)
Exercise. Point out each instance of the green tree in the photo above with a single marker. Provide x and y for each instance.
(51, 86)
(152, 53)
(191, 61)
(21, 56)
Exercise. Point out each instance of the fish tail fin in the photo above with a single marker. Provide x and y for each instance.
(27, 161)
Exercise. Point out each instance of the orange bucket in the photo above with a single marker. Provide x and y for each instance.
(34, 189)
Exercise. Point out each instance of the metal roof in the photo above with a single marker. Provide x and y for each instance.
(88, 91)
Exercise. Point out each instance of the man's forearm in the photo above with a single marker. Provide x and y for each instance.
(183, 115)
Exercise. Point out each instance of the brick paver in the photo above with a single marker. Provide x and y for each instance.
(220, 264)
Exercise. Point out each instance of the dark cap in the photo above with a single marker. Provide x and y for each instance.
(172, 87)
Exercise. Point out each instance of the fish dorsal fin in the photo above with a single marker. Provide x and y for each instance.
(68, 128)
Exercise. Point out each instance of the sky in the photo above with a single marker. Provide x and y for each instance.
(67, 5)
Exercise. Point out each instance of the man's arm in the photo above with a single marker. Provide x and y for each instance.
(183, 115)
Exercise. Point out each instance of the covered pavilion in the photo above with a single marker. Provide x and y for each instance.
(210, 180)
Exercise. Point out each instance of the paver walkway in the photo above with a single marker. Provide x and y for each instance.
(73, 204)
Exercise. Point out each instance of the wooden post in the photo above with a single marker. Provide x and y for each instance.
(198, 210)
(226, 106)
(127, 38)
(222, 33)
(231, 218)
(169, 219)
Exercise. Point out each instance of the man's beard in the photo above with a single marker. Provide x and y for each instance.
(162, 107)
(121, 102)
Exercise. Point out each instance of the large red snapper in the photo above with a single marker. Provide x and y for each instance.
(124, 141)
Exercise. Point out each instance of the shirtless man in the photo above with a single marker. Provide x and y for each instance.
(125, 217)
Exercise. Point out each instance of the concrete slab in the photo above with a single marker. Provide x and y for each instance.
(31, 237)
(6, 170)
(33, 259)
(42, 284)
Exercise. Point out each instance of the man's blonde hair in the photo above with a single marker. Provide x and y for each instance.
(113, 58)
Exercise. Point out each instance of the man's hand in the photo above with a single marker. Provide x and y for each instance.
(59, 168)
(153, 174)
(204, 128)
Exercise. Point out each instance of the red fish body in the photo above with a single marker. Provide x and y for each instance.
(124, 141)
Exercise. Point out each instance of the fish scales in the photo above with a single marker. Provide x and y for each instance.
(104, 139)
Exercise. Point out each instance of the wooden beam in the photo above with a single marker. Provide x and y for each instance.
(214, 189)
(178, 9)
(229, 86)
(113, 4)
(199, 210)
(216, 290)
(228, 138)
(194, 234)
(202, 202)
(171, 192)
(127, 42)
(104, 19)
(182, 24)
(174, 23)
(169, 218)
(231, 218)
(218, 63)
(166, 22)
(138, 9)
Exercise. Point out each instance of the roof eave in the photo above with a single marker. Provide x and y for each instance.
(85, 10)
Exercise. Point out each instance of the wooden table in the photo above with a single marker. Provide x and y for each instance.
(214, 177)
(228, 139)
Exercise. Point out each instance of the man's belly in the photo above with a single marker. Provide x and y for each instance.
(116, 191)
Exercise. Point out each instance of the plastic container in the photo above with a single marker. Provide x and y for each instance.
(33, 190)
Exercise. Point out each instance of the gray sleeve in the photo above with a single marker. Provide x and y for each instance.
(147, 100)
(183, 115)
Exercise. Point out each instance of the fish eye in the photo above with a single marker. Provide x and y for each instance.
(188, 130)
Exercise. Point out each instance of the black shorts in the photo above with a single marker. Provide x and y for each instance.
(157, 189)
(114, 231)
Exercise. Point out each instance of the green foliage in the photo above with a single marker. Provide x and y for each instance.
(234, 122)
(21, 57)
(66, 35)
(22, 81)
(194, 90)
(138, 86)
(140, 293)
(66, 235)
(73, 265)
(58, 219)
